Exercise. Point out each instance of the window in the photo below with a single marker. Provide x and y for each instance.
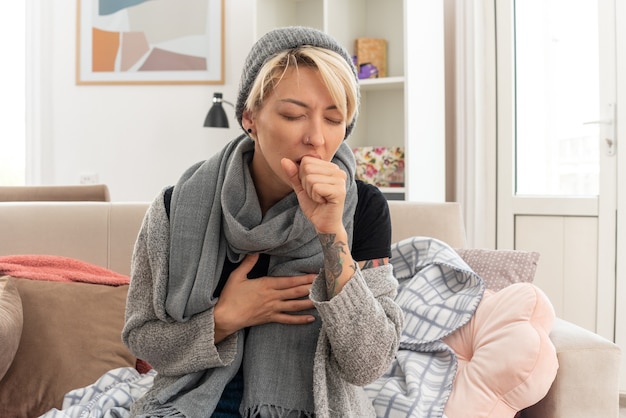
(557, 90)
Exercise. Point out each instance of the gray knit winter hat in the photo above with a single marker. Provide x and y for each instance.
(279, 40)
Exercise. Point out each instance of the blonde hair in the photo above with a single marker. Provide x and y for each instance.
(333, 68)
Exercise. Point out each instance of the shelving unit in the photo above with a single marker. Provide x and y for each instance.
(385, 102)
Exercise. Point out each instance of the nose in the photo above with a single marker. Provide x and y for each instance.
(315, 133)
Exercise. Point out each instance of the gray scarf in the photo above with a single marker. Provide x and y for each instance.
(215, 214)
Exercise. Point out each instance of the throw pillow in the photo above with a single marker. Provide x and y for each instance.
(500, 268)
(71, 336)
(10, 322)
(506, 361)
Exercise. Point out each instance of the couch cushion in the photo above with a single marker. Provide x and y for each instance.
(500, 268)
(10, 322)
(506, 359)
(71, 336)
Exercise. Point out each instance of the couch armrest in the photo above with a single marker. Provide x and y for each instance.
(587, 382)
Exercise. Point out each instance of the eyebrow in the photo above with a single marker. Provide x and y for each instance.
(302, 104)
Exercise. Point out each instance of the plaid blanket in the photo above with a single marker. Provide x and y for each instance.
(439, 293)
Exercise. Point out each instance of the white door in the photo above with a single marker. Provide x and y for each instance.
(557, 147)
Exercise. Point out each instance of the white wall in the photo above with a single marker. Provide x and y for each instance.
(137, 139)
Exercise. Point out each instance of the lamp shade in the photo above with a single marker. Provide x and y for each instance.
(216, 118)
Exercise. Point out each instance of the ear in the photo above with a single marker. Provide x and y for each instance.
(247, 119)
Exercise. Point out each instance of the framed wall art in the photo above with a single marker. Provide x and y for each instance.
(150, 42)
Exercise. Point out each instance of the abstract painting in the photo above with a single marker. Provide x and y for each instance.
(150, 42)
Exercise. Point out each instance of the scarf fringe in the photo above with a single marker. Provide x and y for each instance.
(161, 412)
(275, 411)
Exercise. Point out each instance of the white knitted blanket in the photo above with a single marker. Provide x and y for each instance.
(439, 293)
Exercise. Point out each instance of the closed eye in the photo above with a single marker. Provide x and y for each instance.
(292, 117)
(335, 121)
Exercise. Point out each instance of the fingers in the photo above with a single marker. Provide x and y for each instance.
(283, 303)
(288, 292)
(246, 266)
(316, 176)
(290, 312)
(291, 169)
(293, 298)
(295, 306)
(293, 293)
(290, 319)
(280, 283)
(323, 181)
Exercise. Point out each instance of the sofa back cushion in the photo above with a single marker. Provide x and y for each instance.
(104, 233)
(101, 233)
(443, 221)
(60, 193)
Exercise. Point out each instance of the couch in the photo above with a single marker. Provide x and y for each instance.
(85, 319)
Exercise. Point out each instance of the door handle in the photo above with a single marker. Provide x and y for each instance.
(599, 122)
(609, 138)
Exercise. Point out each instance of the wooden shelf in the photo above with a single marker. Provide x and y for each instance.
(392, 189)
(385, 83)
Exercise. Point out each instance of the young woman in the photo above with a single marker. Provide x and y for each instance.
(260, 281)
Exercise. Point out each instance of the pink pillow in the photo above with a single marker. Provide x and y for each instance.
(506, 359)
